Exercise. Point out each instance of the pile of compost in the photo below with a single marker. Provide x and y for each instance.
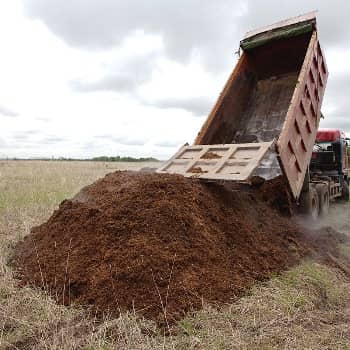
(157, 244)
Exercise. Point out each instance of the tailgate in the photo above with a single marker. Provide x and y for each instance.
(217, 162)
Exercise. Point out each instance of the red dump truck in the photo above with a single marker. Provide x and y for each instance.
(265, 121)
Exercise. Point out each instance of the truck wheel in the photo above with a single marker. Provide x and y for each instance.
(323, 198)
(309, 203)
(344, 191)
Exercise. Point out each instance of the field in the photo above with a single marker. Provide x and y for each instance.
(308, 307)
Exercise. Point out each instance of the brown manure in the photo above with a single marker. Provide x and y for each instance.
(210, 155)
(157, 244)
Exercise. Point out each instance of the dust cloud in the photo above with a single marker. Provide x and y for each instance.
(338, 219)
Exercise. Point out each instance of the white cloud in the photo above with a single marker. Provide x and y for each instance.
(36, 79)
(7, 112)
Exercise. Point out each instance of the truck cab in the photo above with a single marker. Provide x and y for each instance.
(330, 152)
(329, 165)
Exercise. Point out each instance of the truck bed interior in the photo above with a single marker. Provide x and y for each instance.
(257, 96)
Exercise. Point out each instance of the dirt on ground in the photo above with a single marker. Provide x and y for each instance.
(160, 245)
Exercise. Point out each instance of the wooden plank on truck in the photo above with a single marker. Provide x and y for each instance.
(231, 162)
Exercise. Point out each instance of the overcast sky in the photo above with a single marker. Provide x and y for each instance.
(82, 78)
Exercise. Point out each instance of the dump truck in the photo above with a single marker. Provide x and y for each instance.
(265, 121)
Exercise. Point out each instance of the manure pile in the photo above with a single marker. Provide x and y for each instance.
(158, 244)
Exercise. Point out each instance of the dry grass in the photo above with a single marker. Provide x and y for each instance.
(306, 308)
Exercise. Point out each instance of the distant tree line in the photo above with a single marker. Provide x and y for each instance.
(95, 159)
(124, 159)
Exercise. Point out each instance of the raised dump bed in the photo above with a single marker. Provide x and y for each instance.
(272, 97)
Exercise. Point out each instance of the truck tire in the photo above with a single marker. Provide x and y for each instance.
(323, 199)
(344, 190)
(309, 203)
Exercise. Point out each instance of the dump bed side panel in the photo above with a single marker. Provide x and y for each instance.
(298, 134)
(225, 117)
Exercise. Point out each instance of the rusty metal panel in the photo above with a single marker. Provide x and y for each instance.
(214, 119)
(310, 16)
(295, 143)
(217, 162)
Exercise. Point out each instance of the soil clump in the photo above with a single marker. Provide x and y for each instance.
(210, 155)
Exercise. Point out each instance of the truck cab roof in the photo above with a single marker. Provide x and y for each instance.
(329, 135)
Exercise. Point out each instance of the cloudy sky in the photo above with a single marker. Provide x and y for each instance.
(82, 78)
